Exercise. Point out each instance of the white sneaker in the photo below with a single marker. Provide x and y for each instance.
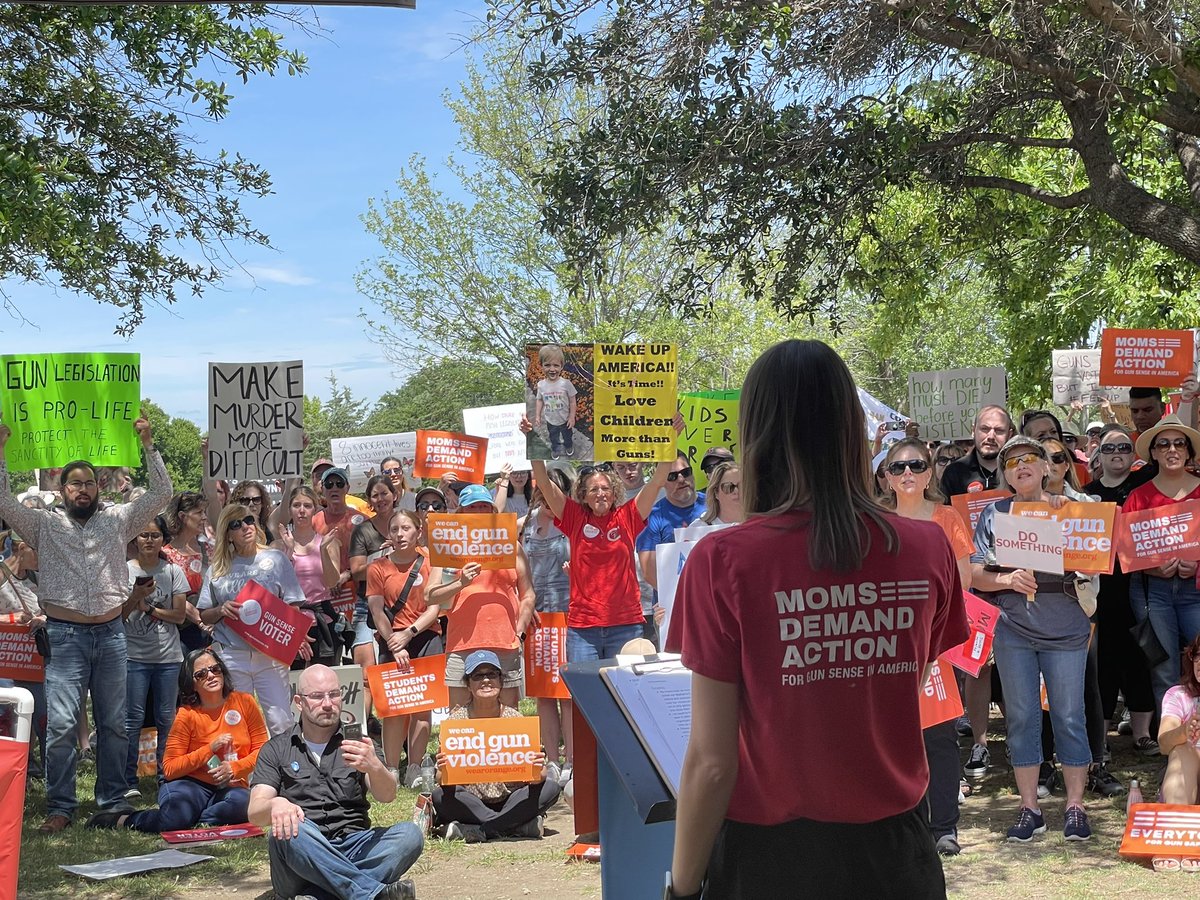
(132, 794)
(411, 774)
(568, 772)
(470, 834)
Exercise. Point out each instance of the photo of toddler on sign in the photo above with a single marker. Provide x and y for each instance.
(558, 400)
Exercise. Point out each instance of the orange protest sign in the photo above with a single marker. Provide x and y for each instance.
(455, 541)
(420, 687)
(1162, 829)
(19, 658)
(1150, 537)
(969, 506)
(939, 699)
(147, 761)
(439, 452)
(1145, 357)
(484, 750)
(1087, 533)
(545, 654)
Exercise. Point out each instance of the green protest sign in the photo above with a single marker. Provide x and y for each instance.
(709, 420)
(67, 406)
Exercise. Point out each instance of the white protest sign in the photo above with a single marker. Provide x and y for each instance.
(501, 426)
(945, 403)
(133, 865)
(669, 560)
(359, 455)
(1025, 543)
(1075, 375)
(255, 420)
(878, 412)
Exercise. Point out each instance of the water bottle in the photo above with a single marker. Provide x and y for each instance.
(1135, 796)
(428, 778)
(230, 755)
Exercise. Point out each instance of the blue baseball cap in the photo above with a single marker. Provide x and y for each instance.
(475, 493)
(481, 658)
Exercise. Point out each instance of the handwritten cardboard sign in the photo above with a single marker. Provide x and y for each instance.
(635, 401)
(483, 750)
(19, 659)
(1161, 829)
(501, 426)
(398, 692)
(256, 420)
(350, 680)
(360, 455)
(1088, 530)
(455, 540)
(939, 698)
(1035, 544)
(945, 403)
(269, 625)
(1151, 537)
(545, 655)
(969, 506)
(709, 420)
(971, 654)
(439, 452)
(1145, 357)
(1075, 375)
(67, 406)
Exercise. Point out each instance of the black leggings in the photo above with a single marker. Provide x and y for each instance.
(452, 804)
(1123, 668)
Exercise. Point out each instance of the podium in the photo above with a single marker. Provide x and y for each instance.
(636, 810)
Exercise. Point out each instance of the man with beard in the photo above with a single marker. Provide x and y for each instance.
(977, 470)
(309, 793)
(84, 583)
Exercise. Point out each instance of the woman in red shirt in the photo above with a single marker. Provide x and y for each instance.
(1167, 593)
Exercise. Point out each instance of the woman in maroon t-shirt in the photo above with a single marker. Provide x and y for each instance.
(606, 606)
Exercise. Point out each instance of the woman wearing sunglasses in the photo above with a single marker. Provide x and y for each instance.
(210, 753)
(1063, 478)
(240, 555)
(1167, 594)
(724, 496)
(913, 493)
(1042, 633)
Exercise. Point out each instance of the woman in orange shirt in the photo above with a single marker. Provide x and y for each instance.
(211, 751)
(913, 493)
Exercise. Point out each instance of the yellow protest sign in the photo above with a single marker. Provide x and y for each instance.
(635, 401)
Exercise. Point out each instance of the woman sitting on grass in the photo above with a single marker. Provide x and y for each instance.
(1179, 732)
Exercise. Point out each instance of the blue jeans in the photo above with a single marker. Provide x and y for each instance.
(184, 802)
(83, 658)
(354, 867)
(1019, 661)
(1175, 615)
(140, 676)
(600, 642)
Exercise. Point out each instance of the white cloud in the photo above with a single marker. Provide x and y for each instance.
(278, 275)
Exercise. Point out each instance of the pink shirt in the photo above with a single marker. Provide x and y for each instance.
(1177, 703)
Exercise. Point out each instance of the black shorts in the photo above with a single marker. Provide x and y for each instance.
(425, 643)
(891, 858)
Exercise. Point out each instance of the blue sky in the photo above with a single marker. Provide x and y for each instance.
(331, 139)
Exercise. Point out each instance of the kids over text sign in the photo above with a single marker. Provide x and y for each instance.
(67, 406)
(269, 625)
(635, 401)
(439, 452)
(1151, 537)
(398, 692)
(1148, 357)
(256, 420)
(455, 541)
(482, 750)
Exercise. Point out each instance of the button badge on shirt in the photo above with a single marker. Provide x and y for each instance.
(590, 531)
(295, 766)
(614, 534)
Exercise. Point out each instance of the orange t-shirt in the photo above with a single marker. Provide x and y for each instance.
(484, 615)
(956, 530)
(341, 529)
(386, 579)
(189, 745)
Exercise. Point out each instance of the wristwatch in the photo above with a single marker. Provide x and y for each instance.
(670, 894)
(412, 629)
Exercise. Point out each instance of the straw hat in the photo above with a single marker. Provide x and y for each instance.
(1166, 423)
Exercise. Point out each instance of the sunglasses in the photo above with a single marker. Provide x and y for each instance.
(730, 487)
(238, 523)
(151, 535)
(201, 674)
(1070, 439)
(390, 472)
(489, 675)
(598, 467)
(1058, 458)
(246, 501)
(1030, 459)
(945, 460)
(1168, 443)
(916, 465)
(1116, 448)
(335, 483)
(685, 472)
(435, 505)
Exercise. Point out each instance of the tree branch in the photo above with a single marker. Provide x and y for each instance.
(1058, 201)
(1188, 152)
(1165, 51)
(963, 138)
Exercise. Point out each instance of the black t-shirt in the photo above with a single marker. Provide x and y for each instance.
(966, 475)
(332, 795)
(1116, 585)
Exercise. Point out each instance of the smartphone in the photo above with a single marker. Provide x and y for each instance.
(352, 732)
(143, 579)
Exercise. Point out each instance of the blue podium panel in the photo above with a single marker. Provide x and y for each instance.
(634, 855)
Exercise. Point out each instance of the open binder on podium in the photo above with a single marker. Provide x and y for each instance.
(655, 696)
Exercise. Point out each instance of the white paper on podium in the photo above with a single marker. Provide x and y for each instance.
(656, 699)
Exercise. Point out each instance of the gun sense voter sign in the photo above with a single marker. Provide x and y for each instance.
(490, 540)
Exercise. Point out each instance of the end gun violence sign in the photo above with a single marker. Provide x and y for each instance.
(455, 540)
(256, 420)
(67, 406)
(495, 749)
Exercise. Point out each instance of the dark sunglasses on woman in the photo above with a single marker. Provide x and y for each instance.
(1058, 458)
(916, 465)
(238, 523)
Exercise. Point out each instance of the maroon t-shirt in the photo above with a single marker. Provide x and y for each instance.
(828, 664)
(604, 585)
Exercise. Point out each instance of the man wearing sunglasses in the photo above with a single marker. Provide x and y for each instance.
(677, 509)
(84, 585)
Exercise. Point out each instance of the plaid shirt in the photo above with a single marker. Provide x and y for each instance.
(81, 567)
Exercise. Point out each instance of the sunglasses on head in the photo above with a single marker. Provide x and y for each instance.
(435, 505)
(598, 467)
(1058, 457)
(1168, 443)
(1125, 447)
(1030, 459)
(685, 472)
(201, 674)
(898, 466)
(238, 523)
